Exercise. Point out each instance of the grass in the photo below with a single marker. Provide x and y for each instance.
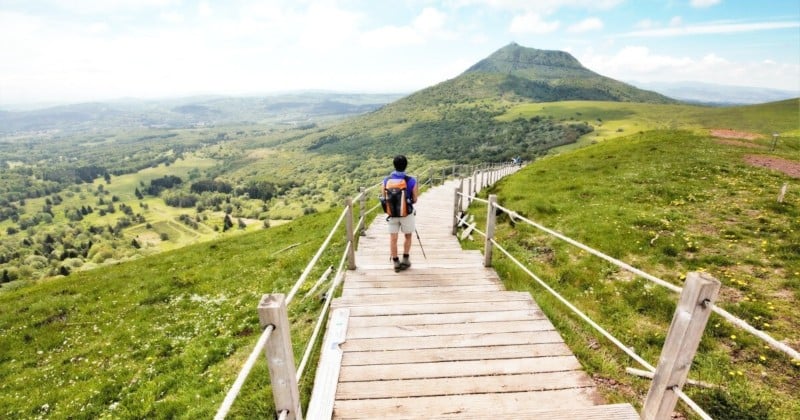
(165, 335)
(158, 337)
(668, 202)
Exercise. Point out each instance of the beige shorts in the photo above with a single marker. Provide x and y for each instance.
(406, 224)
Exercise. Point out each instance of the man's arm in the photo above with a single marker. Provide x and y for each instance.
(415, 194)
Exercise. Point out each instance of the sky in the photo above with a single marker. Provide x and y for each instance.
(67, 51)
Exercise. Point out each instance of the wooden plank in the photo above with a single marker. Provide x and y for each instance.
(453, 341)
(364, 291)
(463, 385)
(451, 318)
(354, 358)
(449, 274)
(467, 231)
(450, 329)
(458, 368)
(327, 375)
(429, 298)
(422, 265)
(458, 406)
(439, 308)
(429, 282)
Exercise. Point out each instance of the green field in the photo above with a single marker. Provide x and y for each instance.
(157, 337)
(668, 202)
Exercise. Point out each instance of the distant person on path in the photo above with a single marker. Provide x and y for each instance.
(399, 194)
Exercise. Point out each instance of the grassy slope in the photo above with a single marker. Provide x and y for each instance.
(165, 335)
(162, 336)
(670, 202)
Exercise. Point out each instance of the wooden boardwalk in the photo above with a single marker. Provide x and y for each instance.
(443, 339)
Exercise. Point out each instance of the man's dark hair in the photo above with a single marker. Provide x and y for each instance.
(400, 163)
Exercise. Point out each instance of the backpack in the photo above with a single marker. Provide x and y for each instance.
(395, 198)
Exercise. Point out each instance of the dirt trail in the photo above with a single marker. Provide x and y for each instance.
(725, 136)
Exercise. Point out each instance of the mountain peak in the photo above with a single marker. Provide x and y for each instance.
(529, 62)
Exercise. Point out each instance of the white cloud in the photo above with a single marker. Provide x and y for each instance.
(428, 25)
(430, 20)
(391, 36)
(646, 24)
(98, 28)
(204, 9)
(704, 3)
(640, 64)
(171, 17)
(586, 25)
(676, 21)
(532, 23)
(542, 6)
(86, 7)
(712, 28)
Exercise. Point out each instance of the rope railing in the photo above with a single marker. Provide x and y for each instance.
(314, 260)
(577, 311)
(325, 307)
(227, 403)
(491, 205)
(261, 344)
(716, 309)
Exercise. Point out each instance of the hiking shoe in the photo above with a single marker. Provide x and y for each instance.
(397, 265)
(405, 263)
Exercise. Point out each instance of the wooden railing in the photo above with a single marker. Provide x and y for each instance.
(275, 340)
(695, 304)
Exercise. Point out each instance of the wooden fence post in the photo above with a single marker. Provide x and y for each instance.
(362, 210)
(469, 193)
(491, 216)
(688, 324)
(348, 218)
(282, 372)
(456, 207)
(430, 176)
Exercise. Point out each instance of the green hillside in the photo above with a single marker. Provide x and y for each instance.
(160, 337)
(164, 336)
(670, 202)
(546, 76)
(457, 119)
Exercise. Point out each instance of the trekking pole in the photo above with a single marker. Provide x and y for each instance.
(420, 244)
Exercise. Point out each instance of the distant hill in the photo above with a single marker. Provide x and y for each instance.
(287, 108)
(515, 72)
(714, 94)
(456, 119)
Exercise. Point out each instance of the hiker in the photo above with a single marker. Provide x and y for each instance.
(399, 194)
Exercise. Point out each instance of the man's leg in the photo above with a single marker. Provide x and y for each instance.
(393, 245)
(405, 262)
(393, 251)
(407, 244)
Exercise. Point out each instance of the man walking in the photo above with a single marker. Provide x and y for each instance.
(400, 192)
